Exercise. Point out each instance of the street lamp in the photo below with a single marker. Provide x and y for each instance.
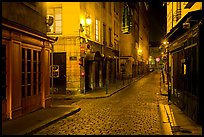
(83, 25)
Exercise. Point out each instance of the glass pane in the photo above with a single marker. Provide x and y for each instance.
(58, 29)
(34, 89)
(34, 55)
(23, 66)
(29, 66)
(23, 53)
(34, 78)
(23, 91)
(39, 53)
(28, 78)
(58, 23)
(35, 66)
(29, 90)
(58, 10)
(23, 79)
(58, 16)
(28, 54)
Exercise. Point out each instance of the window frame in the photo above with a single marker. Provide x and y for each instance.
(54, 26)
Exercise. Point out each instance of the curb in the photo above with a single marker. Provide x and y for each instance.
(166, 125)
(108, 95)
(48, 122)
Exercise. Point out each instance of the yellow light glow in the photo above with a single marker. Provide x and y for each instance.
(88, 21)
(82, 22)
(165, 42)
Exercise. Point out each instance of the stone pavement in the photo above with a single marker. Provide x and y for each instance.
(174, 121)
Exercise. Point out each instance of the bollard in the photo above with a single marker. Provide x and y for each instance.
(106, 86)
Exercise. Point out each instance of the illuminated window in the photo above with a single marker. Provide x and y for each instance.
(97, 30)
(126, 19)
(178, 11)
(56, 12)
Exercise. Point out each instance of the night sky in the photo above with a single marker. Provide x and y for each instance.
(157, 21)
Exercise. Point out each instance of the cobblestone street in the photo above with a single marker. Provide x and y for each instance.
(132, 111)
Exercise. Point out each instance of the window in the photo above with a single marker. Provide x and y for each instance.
(29, 85)
(56, 12)
(34, 71)
(3, 71)
(178, 11)
(28, 72)
(104, 33)
(97, 30)
(104, 4)
(126, 19)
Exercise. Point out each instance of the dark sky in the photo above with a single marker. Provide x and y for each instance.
(157, 21)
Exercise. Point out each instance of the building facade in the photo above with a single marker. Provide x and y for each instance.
(25, 47)
(184, 34)
(86, 53)
(134, 49)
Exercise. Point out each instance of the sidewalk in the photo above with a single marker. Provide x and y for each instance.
(175, 122)
(62, 106)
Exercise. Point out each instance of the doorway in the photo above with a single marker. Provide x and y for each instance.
(59, 80)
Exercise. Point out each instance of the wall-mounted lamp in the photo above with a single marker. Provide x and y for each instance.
(82, 24)
(49, 20)
(166, 43)
(88, 20)
(140, 51)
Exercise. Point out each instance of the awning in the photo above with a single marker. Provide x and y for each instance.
(96, 56)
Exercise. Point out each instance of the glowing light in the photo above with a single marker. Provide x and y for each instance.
(88, 20)
(157, 59)
(82, 22)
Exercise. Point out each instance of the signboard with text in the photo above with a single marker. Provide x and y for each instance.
(55, 69)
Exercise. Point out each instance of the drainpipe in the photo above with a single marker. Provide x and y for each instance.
(52, 88)
(52, 79)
